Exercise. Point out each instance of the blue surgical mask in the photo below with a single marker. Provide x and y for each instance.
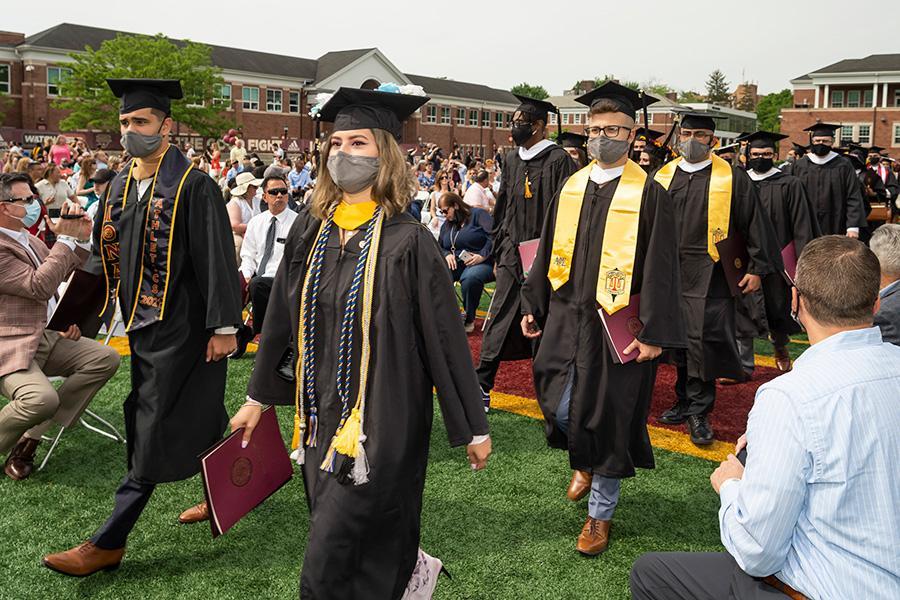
(32, 214)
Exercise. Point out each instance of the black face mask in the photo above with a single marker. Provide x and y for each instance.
(522, 133)
(761, 165)
(646, 168)
(636, 155)
(820, 149)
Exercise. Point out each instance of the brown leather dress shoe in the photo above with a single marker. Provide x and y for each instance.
(782, 359)
(20, 463)
(579, 486)
(195, 514)
(84, 560)
(594, 537)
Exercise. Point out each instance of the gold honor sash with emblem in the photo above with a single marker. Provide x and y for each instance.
(719, 202)
(619, 235)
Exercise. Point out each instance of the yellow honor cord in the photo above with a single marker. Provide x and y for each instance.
(719, 201)
(350, 216)
(619, 236)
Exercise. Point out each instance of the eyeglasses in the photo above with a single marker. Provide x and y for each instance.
(700, 136)
(520, 123)
(609, 131)
(278, 192)
(443, 211)
(25, 200)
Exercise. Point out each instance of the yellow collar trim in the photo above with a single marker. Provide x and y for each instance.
(350, 217)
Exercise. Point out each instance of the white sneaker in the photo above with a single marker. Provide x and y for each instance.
(424, 578)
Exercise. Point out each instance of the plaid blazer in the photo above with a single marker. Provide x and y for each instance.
(24, 292)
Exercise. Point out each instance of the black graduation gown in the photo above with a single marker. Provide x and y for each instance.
(176, 408)
(363, 540)
(834, 192)
(610, 402)
(784, 200)
(707, 304)
(518, 219)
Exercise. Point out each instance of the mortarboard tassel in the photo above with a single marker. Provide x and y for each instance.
(528, 193)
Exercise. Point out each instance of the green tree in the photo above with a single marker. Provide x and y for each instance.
(598, 81)
(769, 109)
(717, 88)
(91, 104)
(690, 96)
(532, 91)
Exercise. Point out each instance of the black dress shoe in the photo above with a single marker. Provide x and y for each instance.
(701, 431)
(674, 416)
(244, 336)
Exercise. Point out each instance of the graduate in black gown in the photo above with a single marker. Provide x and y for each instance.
(164, 241)
(364, 289)
(831, 184)
(784, 199)
(642, 137)
(877, 163)
(593, 407)
(531, 175)
(712, 199)
(575, 145)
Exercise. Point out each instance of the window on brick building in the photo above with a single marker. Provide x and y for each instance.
(837, 99)
(498, 119)
(473, 118)
(853, 99)
(897, 97)
(895, 140)
(55, 77)
(565, 117)
(486, 118)
(273, 100)
(576, 119)
(250, 98)
(294, 102)
(509, 119)
(445, 115)
(431, 114)
(460, 116)
(4, 79)
(846, 133)
(223, 95)
(865, 134)
(867, 98)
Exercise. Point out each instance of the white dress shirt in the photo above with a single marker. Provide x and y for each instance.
(478, 196)
(818, 502)
(255, 242)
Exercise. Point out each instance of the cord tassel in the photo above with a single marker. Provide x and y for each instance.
(360, 473)
(313, 431)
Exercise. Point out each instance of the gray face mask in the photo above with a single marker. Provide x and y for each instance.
(352, 173)
(140, 145)
(694, 151)
(606, 150)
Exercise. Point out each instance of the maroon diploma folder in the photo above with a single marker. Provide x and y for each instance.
(789, 258)
(735, 259)
(622, 327)
(527, 252)
(236, 480)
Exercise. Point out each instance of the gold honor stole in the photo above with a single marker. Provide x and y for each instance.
(350, 217)
(719, 201)
(619, 235)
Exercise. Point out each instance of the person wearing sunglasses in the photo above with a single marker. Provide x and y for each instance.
(261, 254)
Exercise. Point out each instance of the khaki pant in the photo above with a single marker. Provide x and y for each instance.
(238, 242)
(34, 403)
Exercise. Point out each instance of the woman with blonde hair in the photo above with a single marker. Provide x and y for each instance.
(85, 188)
(371, 314)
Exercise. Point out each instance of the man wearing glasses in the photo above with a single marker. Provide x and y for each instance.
(712, 201)
(261, 254)
(29, 353)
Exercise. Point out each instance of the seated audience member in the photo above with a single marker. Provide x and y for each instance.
(29, 277)
(54, 190)
(885, 243)
(261, 253)
(465, 241)
(243, 206)
(814, 512)
(479, 195)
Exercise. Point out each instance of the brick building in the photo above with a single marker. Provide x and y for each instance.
(268, 96)
(860, 94)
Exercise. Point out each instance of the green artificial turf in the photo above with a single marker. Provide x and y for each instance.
(504, 533)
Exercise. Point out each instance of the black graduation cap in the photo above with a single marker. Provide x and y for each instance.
(145, 93)
(876, 149)
(657, 151)
(764, 139)
(351, 108)
(726, 149)
(822, 129)
(534, 108)
(700, 120)
(567, 139)
(742, 136)
(647, 134)
(799, 148)
(626, 99)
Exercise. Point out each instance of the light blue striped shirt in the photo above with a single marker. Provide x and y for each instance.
(819, 502)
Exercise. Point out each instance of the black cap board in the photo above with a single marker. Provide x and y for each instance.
(567, 139)
(534, 108)
(799, 148)
(145, 93)
(351, 108)
(626, 99)
(658, 151)
(730, 149)
(764, 139)
(824, 129)
(700, 120)
(876, 149)
(647, 134)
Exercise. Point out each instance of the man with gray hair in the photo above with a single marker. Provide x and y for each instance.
(885, 243)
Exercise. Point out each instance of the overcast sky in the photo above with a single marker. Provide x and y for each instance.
(502, 43)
